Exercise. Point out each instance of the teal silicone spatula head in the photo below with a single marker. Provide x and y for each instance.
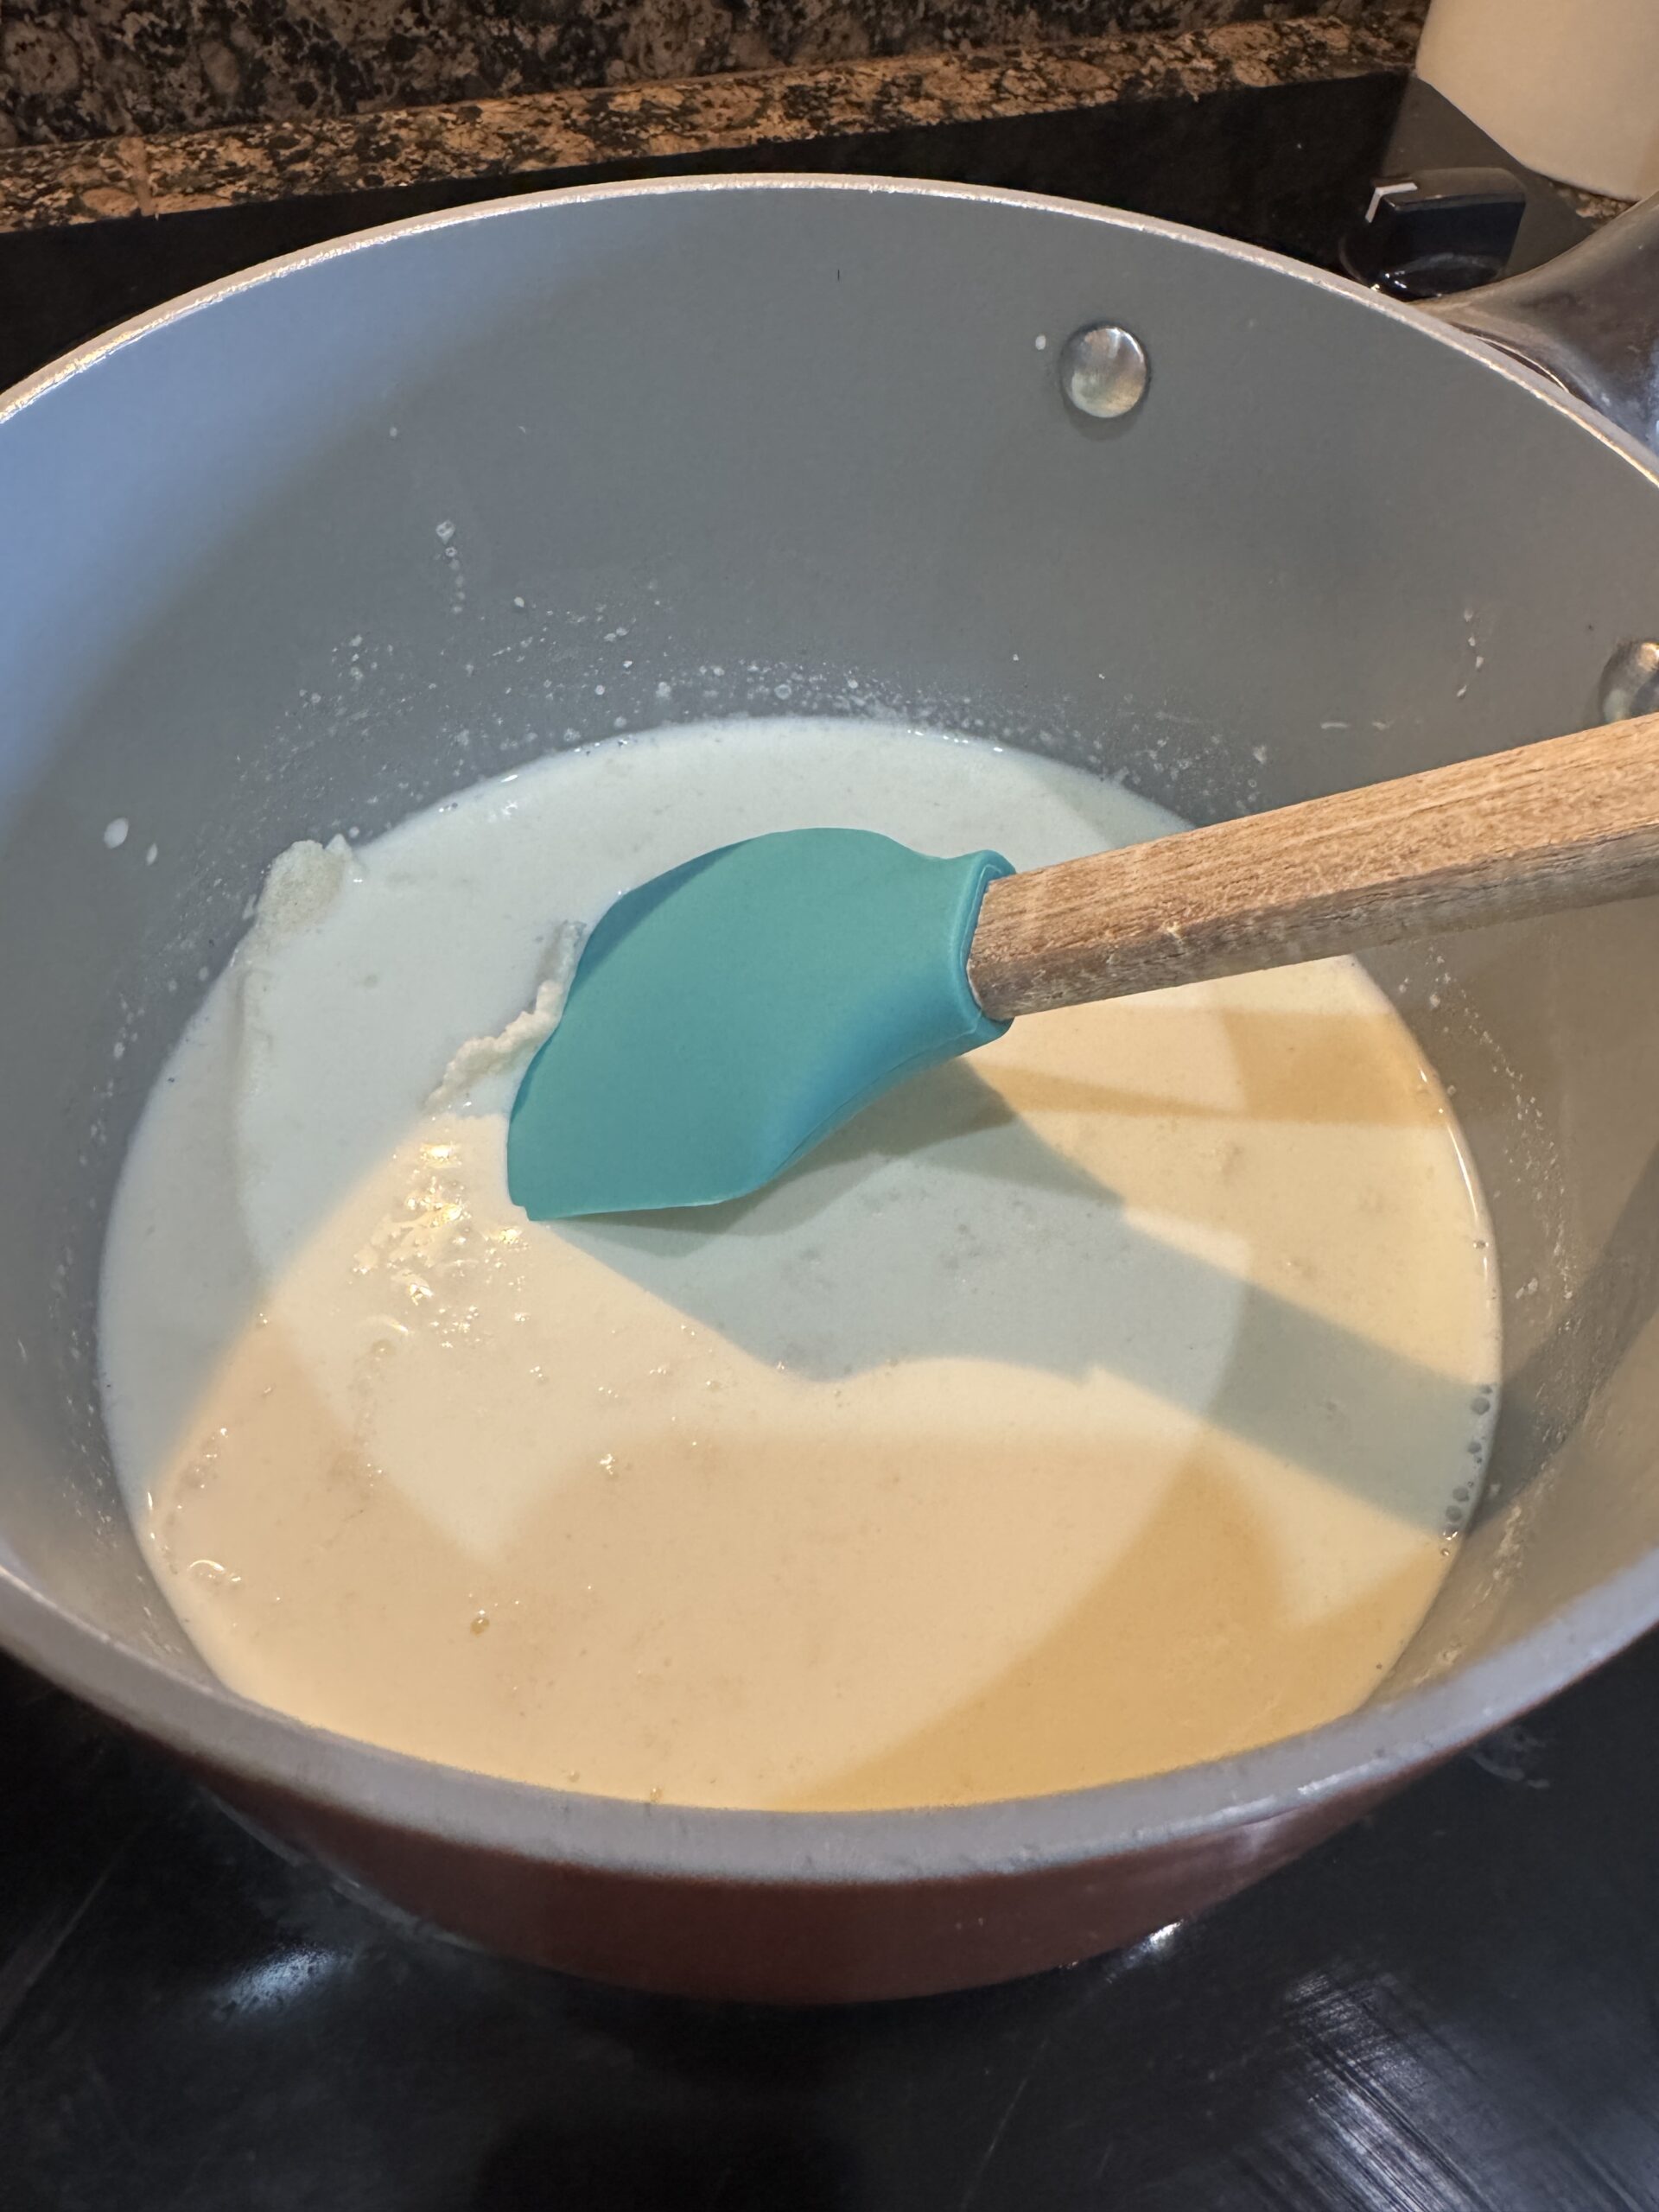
(728, 1015)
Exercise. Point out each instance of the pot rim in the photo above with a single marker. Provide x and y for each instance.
(209, 1725)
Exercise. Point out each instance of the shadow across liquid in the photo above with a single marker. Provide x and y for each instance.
(867, 1291)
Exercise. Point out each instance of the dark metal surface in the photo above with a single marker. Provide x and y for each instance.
(1429, 133)
(1454, 2006)
(1437, 231)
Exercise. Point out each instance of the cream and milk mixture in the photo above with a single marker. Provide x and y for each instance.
(1103, 1402)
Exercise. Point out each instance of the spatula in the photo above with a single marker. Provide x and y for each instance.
(727, 1016)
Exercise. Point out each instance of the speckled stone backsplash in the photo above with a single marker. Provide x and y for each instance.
(75, 69)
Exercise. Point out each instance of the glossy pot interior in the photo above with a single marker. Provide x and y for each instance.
(350, 535)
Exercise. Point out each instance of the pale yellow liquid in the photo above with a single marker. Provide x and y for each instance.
(1099, 1405)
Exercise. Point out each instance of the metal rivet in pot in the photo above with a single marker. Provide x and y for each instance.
(1630, 682)
(1104, 370)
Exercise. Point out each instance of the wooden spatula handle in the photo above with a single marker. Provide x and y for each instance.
(1567, 821)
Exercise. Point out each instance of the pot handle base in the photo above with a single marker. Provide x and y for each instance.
(1589, 320)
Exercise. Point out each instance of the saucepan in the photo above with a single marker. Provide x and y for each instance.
(320, 543)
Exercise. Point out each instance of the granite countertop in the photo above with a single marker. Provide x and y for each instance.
(540, 134)
(81, 69)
